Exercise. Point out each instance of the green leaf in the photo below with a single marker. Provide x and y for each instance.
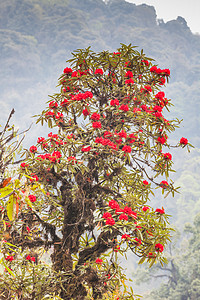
(10, 207)
(5, 192)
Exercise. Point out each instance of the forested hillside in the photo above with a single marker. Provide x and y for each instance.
(37, 37)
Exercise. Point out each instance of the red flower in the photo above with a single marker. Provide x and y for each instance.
(159, 247)
(33, 259)
(117, 247)
(34, 177)
(126, 149)
(129, 81)
(167, 156)
(137, 241)
(123, 217)
(95, 117)
(33, 149)
(145, 62)
(110, 221)
(96, 124)
(67, 70)
(86, 149)
(129, 74)
(74, 74)
(145, 208)
(98, 71)
(114, 102)
(113, 204)
(107, 215)
(53, 104)
(151, 255)
(59, 116)
(64, 102)
(88, 94)
(86, 112)
(166, 72)
(41, 140)
(125, 236)
(124, 107)
(99, 261)
(32, 198)
(160, 211)
(28, 257)
(107, 134)
(162, 140)
(160, 95)
(145, 182)
(157, 108)
(23, 165)
(122, 134)
(164, 184)
(128, 210)
(10, 258)
(183, 141)
(28, 229)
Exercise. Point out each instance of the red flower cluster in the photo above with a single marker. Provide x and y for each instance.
(145, 62)
(146, 89)
(125, 236)
(51, 157)
(145, 208)
(145, 182)
(99, 261)
(164, 72)
(123, 217)
(129, 81)
(160, 211)
(113, 204)
(82, 96)
(86, 149)
(64, 102)
(183, 141)
(67, 70)
(114, 102)
(128, 210)
(53, 104)
(106, 142)
(24, 165)
(162, 139)
(96, 124)
(122, 134)
(30, 258)
(95, 117)
(110, 221)
(164, 184)
(9, 258)
(107, 215)
(32, 198)
(33, 149)
(129, 74)
(159, 247)
(167, 156)
(126, 149)
(98, 71)
(86, 112)
(137, 241)
(124, 107)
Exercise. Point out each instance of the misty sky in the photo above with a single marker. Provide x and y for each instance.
(171, 9)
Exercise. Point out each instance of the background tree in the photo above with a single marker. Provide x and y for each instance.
(88, 182)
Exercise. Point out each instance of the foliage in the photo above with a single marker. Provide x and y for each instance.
(83, 190)
(182, 272)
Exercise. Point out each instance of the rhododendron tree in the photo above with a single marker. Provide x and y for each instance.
(90, 180)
